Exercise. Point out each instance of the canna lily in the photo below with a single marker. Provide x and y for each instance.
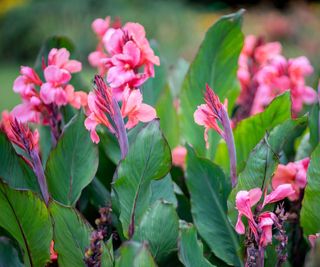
(261, 224)
(60, 59)
(294, 173)
(207, 115)
(26, 82)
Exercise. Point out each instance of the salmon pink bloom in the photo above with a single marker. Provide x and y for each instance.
(133, 108)
(53, 90)
(179, 155)
(294, 173)
(60, 58)
(260, 224)
(25, 83)
(313, 239)
(100, 26)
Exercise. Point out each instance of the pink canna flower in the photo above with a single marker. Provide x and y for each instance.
(133, 108)
(260, 224)
(100, 26)
(265, 223)
(294, 173)
(60, 58)
(208, 114)
(179, 154)
(245, 200)
(53, 90)
(25, 83)
(267, 51)
(313, 239)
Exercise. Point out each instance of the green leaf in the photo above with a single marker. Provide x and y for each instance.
(169, 120)
(256, 127)
(310, 212)
(72, 164)
(208, 193)
(159, 227)
(134, 254)
(163, 190)
(216, 64)
(25, 216)
(263, 160)
(107, 258)
(314, 125)
(149, 158)
(14, 171)
(71, 235)
(8, 254)
(153, 87)
(190, 248)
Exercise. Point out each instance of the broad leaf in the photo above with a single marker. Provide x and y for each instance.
(72, 164)
(190, 248)
(25, 216)
(168, 115)
(153, 87)
(107, 258)
(310, 212)
(314, 125)
(71, 235)
(263, 160)
(250, 131)
(14, 170)
(163, 190)
(159, 227)
(216, 64)
(149, 158)
(8, 254)
(134, 254)
(208, 192)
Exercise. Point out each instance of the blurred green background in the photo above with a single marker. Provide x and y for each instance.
(178, 26)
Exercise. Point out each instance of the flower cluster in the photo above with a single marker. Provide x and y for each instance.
(39, 97)
(260, 223)
(264, 74)
(123, 54)
(294, 173)
(102, 108)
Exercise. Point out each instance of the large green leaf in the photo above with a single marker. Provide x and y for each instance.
(8, 254)
(250, 131)
(216, 64)
(314, 125)
(134, 254)
(163, 189)
(159, 227)
(208, 192)
(14, 171)
(263, 160)
(153, 87)
(72, 164)
(190, 248)
(25, 216)
(149, 158)
(71, 235)
(168, 115)
(310, 212)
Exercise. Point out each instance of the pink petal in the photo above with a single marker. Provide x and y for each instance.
(47, 93)
(53, 74)
(280, 193)
(179, 154)
(131, 49)
(100, 26)
(240, 229)
(146, 113)
(73, 66)
(255, 195)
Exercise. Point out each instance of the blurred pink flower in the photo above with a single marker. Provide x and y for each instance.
(60, 58)
(179, 154)
(313, 239)
(123, 54)
(133, 108)
(26, 82)
(53, 90)
(294, 173)
(265, 222)
(53, 254)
